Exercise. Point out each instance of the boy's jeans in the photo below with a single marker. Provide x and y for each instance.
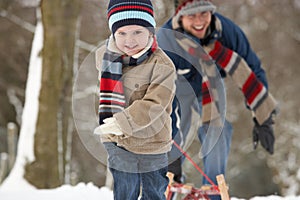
(127, 185)
(134, 172)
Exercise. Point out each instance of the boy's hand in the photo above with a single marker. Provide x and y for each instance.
(110, 126)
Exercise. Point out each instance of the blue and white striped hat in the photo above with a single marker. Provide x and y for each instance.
(135, 12)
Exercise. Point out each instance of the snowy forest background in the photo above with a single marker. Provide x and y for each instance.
(74, 28)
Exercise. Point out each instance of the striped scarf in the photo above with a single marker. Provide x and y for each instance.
(260, 101)
(112, 99)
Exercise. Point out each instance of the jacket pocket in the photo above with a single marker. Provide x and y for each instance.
(135, 87)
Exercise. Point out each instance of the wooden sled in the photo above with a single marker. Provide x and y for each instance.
(192, 193)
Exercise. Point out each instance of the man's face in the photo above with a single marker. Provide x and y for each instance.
(197, 24)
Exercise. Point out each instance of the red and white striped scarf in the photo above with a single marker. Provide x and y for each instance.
(259, 100)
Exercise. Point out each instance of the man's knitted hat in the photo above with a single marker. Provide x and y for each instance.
(135, 12)
(189, 7)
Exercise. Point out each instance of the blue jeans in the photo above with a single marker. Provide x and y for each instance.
(134, 172)
(215, 159)
(127, 185)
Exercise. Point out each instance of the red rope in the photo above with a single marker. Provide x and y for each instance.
(197, 167)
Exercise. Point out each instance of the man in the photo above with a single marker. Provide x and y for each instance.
(224, 41)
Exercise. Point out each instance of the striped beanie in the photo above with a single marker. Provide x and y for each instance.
(189, 7)
(135, 12)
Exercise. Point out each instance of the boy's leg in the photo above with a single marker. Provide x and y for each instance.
(126, 185)
(123, 166)
(154, 184)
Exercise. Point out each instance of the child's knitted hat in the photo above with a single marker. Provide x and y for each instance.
(189, 7)
(135, 12)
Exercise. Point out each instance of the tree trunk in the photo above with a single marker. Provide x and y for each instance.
(59, 20)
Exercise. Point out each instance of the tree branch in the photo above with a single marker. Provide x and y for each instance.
(17, 20)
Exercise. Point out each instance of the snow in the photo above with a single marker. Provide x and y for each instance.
(276, 198)
(83, 191)
(66, 192)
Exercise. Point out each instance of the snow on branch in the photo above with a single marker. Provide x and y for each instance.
(17, 20)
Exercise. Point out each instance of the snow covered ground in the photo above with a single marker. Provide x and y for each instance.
(82, 192)
(66, 192)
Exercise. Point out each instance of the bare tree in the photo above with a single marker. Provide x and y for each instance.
(59, 20)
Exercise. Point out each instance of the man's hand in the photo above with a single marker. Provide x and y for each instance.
(110, 126)
(264, 134)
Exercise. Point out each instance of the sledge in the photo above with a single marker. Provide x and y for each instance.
(189, 192)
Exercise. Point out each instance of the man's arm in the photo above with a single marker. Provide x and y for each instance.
(235, 39)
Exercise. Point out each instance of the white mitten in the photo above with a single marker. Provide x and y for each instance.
(110, 126)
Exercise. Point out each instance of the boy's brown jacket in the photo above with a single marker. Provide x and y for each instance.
(149, 90)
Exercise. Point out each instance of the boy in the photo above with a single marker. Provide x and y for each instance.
(137, 88)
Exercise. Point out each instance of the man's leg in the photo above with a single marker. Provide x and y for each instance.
(175, 168)
(215, 160)
(185, 123)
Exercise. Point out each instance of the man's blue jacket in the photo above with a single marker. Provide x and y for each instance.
(230, 36)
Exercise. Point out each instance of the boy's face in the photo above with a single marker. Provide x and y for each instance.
(196, 24)
(132, 39)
